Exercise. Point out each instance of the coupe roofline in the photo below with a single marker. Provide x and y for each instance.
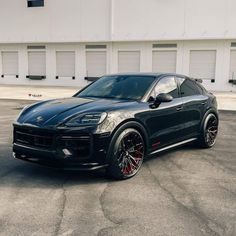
(154, 74)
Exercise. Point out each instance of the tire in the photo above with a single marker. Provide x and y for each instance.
(126, 154)
(209, 131)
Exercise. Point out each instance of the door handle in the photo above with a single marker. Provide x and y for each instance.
(179, 108)
(203, 103)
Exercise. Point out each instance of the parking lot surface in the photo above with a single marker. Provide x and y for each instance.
(187, 191)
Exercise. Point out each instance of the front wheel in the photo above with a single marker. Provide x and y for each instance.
(209, 131)
(127, 154)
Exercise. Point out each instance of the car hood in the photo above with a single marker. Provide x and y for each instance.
(54, 112)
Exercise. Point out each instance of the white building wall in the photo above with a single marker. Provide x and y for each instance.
(173, 19)
(57, 21)
(116, 20)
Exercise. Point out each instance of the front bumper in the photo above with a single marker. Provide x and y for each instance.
(65, 149)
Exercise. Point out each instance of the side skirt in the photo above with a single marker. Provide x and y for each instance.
(173, 145)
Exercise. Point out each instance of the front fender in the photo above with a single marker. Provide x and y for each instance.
(124, 125)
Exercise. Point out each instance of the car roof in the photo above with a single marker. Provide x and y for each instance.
(158, 75)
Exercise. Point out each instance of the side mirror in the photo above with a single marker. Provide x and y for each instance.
(163, 97)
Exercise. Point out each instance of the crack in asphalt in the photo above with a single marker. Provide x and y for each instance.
(217, 165)
(200, 216)
(178, 166)
(62, 209)
(106, 214)
(193, 201)
(227, 190)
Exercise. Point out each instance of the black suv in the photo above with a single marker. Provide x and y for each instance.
(117, 121)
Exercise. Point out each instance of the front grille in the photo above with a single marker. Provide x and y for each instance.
(33, 138)
(79, 145)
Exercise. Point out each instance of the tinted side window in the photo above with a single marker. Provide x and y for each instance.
(167, 85)
(188, 87)
(201, 88)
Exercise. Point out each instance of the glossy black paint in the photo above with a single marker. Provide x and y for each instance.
(45, 135)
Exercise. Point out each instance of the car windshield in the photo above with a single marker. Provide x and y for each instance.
(119, 87)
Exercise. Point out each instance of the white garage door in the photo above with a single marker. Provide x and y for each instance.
(96, 63)
(10, 63)
(164, 61)
(65, 64)
(202, 64)
(232, 74)
(37, 63)
(128, 61)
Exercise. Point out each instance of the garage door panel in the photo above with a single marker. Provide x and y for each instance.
(65, 62)
(202, 64)
(164, 61)
(10, 63)
(37, 63)
(96, 63)
(129, 61)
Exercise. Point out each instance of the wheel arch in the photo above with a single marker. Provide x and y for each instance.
(130, 123)
(209, 111)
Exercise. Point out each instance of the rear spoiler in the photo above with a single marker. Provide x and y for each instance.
(197, 80)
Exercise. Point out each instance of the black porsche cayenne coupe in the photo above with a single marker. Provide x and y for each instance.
(116, 122)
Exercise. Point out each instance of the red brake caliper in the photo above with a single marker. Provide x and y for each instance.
(138, 155)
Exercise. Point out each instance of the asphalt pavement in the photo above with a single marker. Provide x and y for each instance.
(187, 191)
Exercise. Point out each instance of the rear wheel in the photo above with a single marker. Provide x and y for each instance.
(209, 132)
(127, 154)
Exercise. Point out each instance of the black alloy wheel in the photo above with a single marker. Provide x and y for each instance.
(210, 131)
(128, 154)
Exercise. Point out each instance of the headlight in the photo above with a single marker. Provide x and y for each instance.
(87, 119)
